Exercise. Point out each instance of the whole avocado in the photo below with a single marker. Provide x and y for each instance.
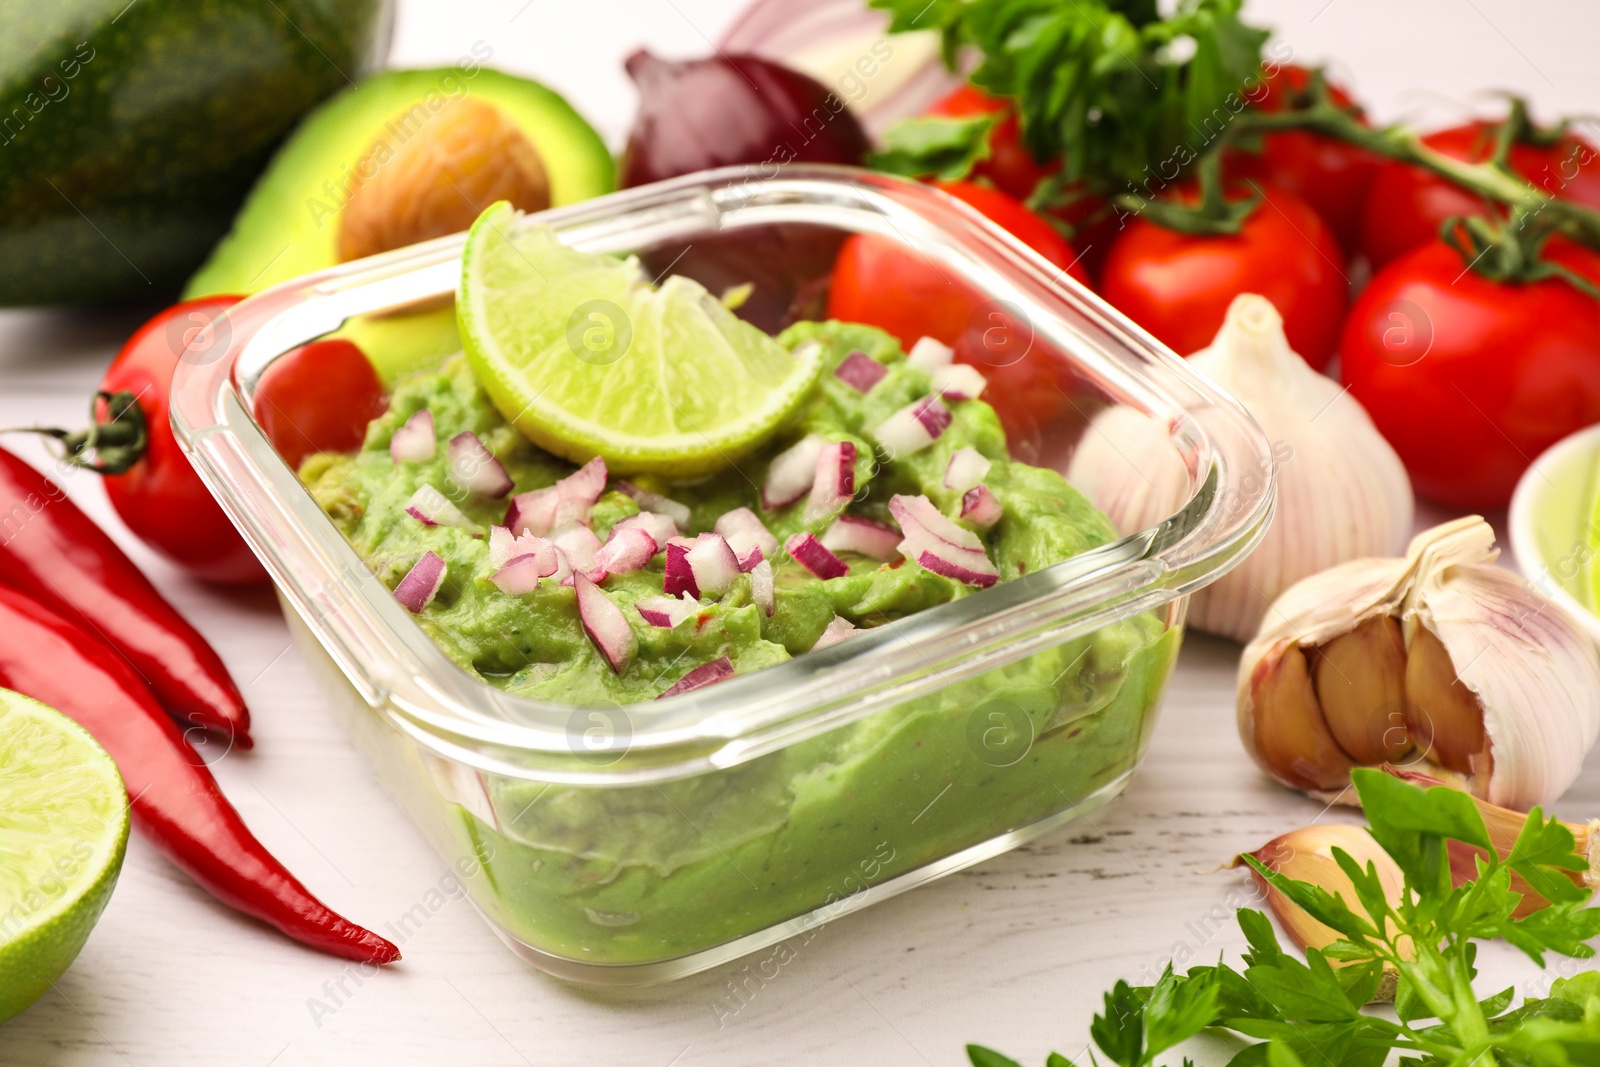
(130, 132)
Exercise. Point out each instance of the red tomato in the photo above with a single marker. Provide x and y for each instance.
(1407, 205)
(1330, 175)
(881, 282)
(1470, 379)
(314, 393)
(1179, 286)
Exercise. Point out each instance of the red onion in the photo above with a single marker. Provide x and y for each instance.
(660, 527)
(605, 624)
(959, 381)
(678, 577)
(584, 485)
(432, 508)
(705, 674)
(533, 512)
(937, 544)
(666, 611)
(980, 506)
(568, 501)
(763, 587)
(791, 473)
(713, 564)
(473, 466)
(625, 551)
(578, 546)
(521, 574)
(929, 355)
(952, 564)
(729, 109)
(414, 442)
(835, 481)
(860, 372)
(855, 533)
(503, 548)
(748, 536)
(809, 553)
(914, 427)
(966, 469)
(421, 583)
(661, 505)
(839, 629)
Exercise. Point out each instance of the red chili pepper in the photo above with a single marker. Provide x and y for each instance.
(56, 554)
(176, 803)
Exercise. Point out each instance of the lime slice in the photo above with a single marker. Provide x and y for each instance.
(586, 357)
(63, 829)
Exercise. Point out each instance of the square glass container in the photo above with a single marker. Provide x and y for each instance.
(632, 844)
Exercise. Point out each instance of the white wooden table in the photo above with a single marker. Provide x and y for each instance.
(1014, 953)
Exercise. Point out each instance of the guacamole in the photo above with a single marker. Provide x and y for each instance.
(636, 874)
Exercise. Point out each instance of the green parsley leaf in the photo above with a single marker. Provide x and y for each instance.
(935, 147)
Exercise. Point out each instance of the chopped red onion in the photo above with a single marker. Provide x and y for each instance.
(578, 544)
(584, 485)
(473, 466)
(918, 512)
(421, 583)
(666, 611)
(521, 574)
(791, 473)
(868, 537)
(625, 551)
(533, 512)
(959, 381)
(860, 372)
(809, 553)
(648, 501)
(605, 624)
(678, 577)
(914, 427)
(503, 548)
(432, 508)
(966, 468)
(952, 564)
(705, 674)
(713, 564)
(562, 575)
(979, 505)
(748, 536)
(661, 528)
(928, 354)
(937, 544)
(763, 587)
(414, 442)
(835, 481)
(839, 629)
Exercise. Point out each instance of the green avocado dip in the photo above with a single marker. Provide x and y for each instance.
(646, 873)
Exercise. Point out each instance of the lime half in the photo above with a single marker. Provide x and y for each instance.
(63, 829)
(587, 357)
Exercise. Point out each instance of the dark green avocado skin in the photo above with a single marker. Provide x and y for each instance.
(130, 132)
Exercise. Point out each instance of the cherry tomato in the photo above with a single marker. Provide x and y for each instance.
(1179, 286)
(313, 394)
(1330, 175)
(881, 282)
(1407, 205)
(1471, 379)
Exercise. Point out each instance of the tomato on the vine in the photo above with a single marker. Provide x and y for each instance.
(1178, 286)
(1407, 205)
(312, 399)
(1469, 378)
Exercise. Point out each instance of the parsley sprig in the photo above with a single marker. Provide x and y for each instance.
(1310, 1012)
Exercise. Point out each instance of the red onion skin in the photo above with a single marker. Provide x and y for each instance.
(705, 674)
(730, 109)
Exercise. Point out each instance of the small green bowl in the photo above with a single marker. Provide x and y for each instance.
(1555, 537)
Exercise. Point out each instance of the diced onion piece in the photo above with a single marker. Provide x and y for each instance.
(473, 466)
(748, 536)
(661, 528)
(678, 578)
(578, 544)
(522, 573)
(563, 572)
(584, 485)
(868, 537)
(959, 381)
(839, 629)
(937, 544)
(763, 587)
(648, 501)
(791, 473)
(706, 674)
(914, 512)
(605, 624)
(835, 481)
(929, 355)
(914, 427)
(666, 611)
(625, 551)
(432, 508)
(860, 372)
(421, 583)
(954, 564)
(809, 553)
(966, 468)
(713, 564)
(414, 442)
(979, 505)
(505, 547)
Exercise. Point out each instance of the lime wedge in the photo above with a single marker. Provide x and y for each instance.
(586, 357)
(63, 829)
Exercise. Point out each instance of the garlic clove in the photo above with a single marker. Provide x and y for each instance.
(1291, 737)
(1441, 712)
(1361, 686)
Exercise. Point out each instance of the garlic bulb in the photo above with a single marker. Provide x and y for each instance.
(1342, 491)
(1439, 661)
